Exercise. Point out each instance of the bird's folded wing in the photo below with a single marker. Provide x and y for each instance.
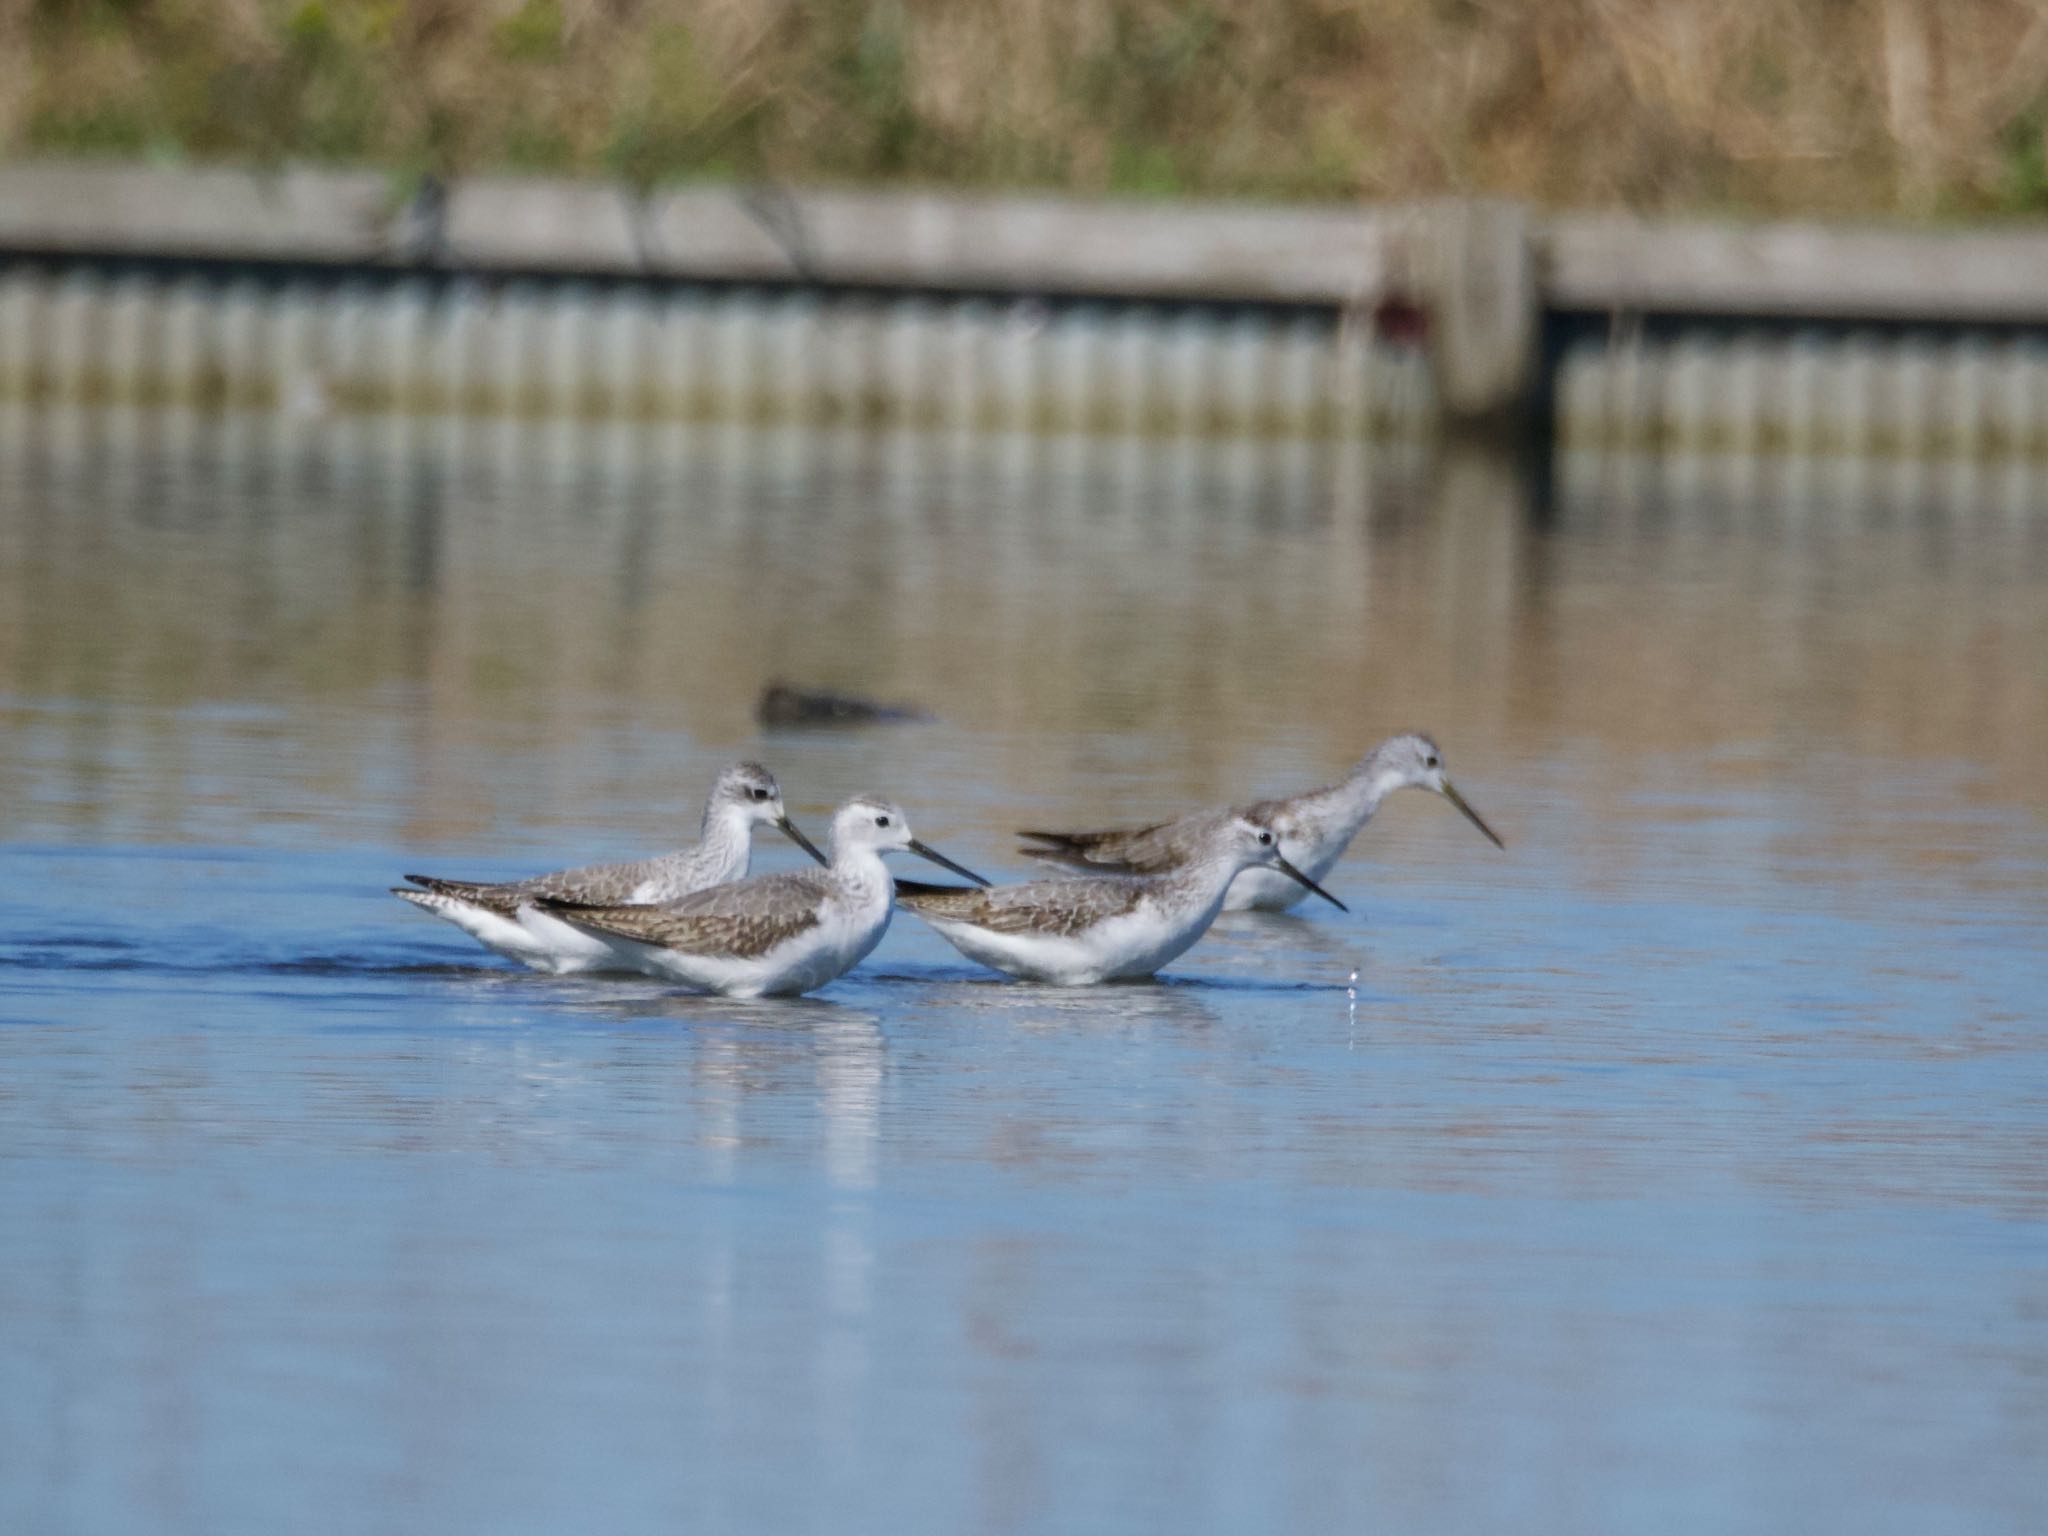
(503, 899)
(1124, 850)
(940, 900)
(592, 885)
(710, 934)
(1047, 907)
(741, 920)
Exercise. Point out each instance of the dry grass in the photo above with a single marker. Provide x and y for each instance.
(1924, 107)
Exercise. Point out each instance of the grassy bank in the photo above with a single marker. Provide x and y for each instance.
(1921, 107)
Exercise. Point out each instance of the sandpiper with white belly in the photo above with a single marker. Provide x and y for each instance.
(1091, 928)
(1314, 827)
(504, 915)
(773, 935)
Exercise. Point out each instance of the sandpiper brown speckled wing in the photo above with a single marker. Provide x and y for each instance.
(502, 897)
(740, 921)
(591, 885)
(1153, 850)
(1047, 907)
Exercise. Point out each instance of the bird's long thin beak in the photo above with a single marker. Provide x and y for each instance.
(943, 862)
(788, 829)
(1292, 873)
(1493, 837)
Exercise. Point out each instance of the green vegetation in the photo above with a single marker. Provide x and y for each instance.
(1925, 107)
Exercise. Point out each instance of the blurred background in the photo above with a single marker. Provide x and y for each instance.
(1782, 106)
(427, 431)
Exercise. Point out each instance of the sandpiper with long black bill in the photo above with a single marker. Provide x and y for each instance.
(1314, 827)
(773, 935)
(1092, 928)
(504, 916)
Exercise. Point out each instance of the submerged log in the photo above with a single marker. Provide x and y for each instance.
(786, 704)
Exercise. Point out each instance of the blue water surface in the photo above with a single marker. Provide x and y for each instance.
(1684, 1169)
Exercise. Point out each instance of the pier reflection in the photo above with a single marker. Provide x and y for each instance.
(409, 602)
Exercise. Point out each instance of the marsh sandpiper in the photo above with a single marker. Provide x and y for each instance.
(773, 935)
(1315, 827)
(503, 915)
(1091, 928)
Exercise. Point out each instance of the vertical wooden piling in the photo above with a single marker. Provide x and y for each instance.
(1485, 315)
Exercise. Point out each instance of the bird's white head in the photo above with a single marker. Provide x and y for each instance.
(749, 791)
(1411, 761)
(865, 825)
(1414, 761)
(747, 794)
(864, 822)
(1249, 841)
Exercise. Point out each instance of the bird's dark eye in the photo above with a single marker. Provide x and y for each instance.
(760, 794)
(881, 821)
(1429, 762)
(1265, 839)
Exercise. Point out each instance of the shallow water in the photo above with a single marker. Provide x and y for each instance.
(1683, 1169)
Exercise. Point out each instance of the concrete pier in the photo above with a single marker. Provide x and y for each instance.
(532, 294)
